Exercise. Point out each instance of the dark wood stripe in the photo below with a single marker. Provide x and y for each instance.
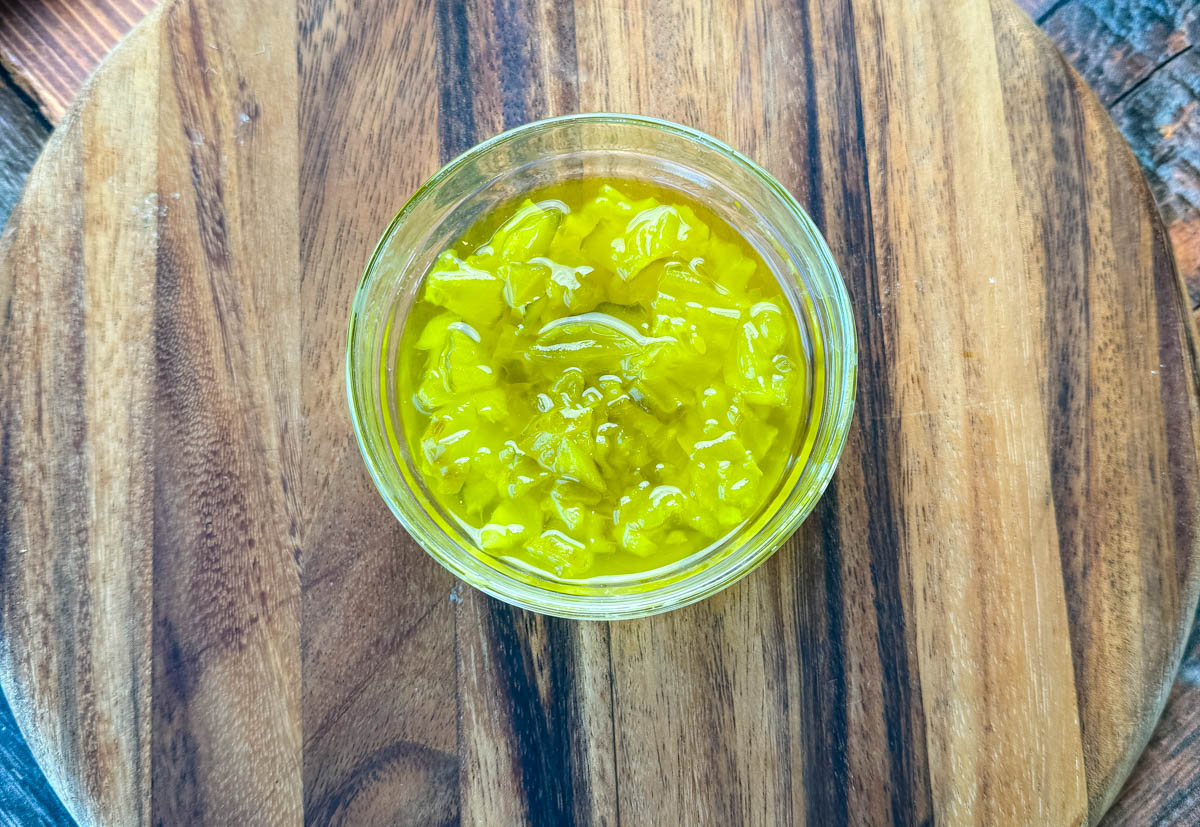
(192, 484)
(788, 739)
(842, 208)
(44, 465)
(560, 62)
(7, 526)
(514, 42)
(534, 45)
(540, 722)
(1068, 434)
(10, 511)
(908, 789)
(877, 415)
(176, 791)
(503, 63)
(531, 744)
(818, 615)
(456, 116)
(612, 719)
(815, 204)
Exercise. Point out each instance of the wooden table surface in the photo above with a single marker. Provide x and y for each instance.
(1163, 786)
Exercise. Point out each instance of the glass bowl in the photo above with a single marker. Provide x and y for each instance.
(610, 146)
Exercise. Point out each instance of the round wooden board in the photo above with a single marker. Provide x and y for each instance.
(210, 616)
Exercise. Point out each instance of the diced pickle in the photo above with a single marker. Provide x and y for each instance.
(468, 292)
(513, 522)
(529, 232)
(604, 379)
(563, 554)
(524, 281)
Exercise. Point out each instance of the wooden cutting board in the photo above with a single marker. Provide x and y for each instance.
(209, 615)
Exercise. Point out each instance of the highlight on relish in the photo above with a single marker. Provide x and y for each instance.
(601, 379)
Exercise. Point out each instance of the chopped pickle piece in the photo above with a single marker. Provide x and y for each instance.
(459, 368)
(586, 340)
(520, 473)
(524, 281)
(645, 517)
(602, 379)
(761, 371)
(563, 554)
(457, 445)
(578, 289)
(657, 233)
(471, 294)
(513, 522)
(434, 333)
(724, 475)
(529, 232)
(729, 264)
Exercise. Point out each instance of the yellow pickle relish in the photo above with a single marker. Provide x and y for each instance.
(601, 379)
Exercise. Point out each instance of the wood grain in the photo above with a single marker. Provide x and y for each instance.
(225, 424)
(378, 705)
(1143, 55)
(207, 614)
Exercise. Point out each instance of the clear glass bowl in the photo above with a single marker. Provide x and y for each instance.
(609, 146)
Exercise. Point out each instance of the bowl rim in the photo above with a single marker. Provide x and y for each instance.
(699, 581)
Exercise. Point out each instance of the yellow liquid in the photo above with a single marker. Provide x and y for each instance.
(601, 380)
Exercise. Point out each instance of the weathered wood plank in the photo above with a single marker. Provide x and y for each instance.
(22, 135)
(51, 46)
(1160, 117)
(1117, 44)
